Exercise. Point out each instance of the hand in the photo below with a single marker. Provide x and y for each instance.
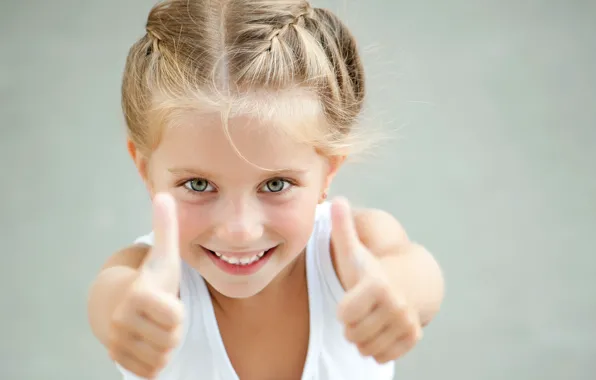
(376, 317)
(147, 323)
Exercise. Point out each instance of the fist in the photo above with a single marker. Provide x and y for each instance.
(376, 317)
(147, 324)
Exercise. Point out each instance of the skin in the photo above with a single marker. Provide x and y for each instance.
(206, 195)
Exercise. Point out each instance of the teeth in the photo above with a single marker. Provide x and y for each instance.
(241, 261)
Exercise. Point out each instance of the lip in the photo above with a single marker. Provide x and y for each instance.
(238, 254)
(236, 269)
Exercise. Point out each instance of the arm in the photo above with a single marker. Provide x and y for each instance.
(116, 275)
(409, 266)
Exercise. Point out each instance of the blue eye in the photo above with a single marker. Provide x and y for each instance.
(198, 185)
(276, 185)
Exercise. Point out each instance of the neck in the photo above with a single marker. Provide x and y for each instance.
(290, 282)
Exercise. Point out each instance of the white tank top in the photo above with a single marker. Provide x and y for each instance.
(201, 353)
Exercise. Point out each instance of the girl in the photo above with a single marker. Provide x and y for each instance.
(239, 115)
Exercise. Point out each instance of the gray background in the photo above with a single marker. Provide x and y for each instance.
(493, 106)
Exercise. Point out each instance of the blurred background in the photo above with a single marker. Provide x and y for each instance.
(493, 168)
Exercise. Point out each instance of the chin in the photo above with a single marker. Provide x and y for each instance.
(238, 290)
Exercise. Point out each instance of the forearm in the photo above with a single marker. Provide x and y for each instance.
(105, 295)
(416, 275)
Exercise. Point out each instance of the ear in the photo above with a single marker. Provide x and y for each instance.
(140, 162)
(334, 163)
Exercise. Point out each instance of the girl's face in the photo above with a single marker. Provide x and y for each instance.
(241, 220)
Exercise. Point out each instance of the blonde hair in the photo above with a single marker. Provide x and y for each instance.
(277, 59)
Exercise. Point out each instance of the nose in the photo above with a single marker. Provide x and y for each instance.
(239, 224)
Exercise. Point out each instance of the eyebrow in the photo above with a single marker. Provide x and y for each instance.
(204, 174)
(188, 172)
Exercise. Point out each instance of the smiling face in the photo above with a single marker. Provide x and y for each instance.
(246, 210)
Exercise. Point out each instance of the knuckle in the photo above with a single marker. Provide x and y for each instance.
(165, 342)
(400, 317)
(365, 349)
(139, 298)
(411, 338)
(131, 296)
(171, 340)
(148, 373)
(169, 309)
(130, 366)
(389, 354)
(118, 321)
(349, 334)
(161, 361)
(343, 311)
(392, 354)
(400, 306)
(174, 337)
(114, 354)
(362, 350)
(114, 339)
(117, 335)
(379, 289)
(410, 326)
(384, 293)
(408, 321)
(173, 318)
(177, 311)
(396, 352)
(417, 335)
(382, 359)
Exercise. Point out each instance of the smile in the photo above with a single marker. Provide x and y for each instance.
(245, 260)
(240, 263)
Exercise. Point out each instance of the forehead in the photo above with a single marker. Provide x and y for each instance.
(243, 143)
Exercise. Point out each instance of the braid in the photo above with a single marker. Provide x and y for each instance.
(340, 48)
(278, 33)
(153, 42)
(193, 49)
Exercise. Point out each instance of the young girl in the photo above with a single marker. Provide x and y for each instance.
(239, 115)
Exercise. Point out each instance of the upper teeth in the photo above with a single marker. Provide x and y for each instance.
(240, 261)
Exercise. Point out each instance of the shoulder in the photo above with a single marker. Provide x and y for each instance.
(131, 256)
(378, 230)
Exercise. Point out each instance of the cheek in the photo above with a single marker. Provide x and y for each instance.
(191, 224)
(294, 220)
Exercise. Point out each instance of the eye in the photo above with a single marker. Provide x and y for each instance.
(276, 185)
(198, 185)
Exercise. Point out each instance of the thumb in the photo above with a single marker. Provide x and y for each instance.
(162, 265)
(348, 250)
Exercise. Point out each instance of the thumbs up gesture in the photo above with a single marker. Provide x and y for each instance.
(146, 325)
(376, 317)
